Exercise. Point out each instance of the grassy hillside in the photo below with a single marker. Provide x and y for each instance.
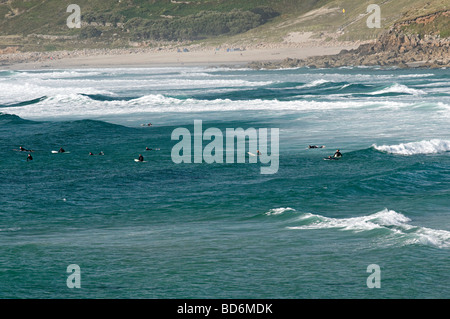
(41, 24)
(329, 20)
(49, 16)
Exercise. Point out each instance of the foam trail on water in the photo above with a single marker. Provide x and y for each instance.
(423, 147)
(398, 228)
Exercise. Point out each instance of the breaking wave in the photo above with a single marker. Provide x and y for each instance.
(395, 228)
(423, 147)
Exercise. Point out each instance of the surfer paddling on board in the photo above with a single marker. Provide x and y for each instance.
(338, 154)
(24, 149)
(315, 146)
(29, 157)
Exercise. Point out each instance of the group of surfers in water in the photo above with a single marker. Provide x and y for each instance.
(61, 150)
(336, 155)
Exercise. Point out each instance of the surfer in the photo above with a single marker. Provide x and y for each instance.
(24, 149)
(337, 154)
(141, 158)
(148, 149)
(90, 153)
(315, 146)
(61, 150)
(29, 157)
(258, 152)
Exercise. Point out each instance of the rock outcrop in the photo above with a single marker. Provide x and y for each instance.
(396, 47)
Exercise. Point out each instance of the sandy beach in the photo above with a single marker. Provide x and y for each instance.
(191, 56)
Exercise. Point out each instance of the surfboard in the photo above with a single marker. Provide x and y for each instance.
(138, 161)
(56, 152)
(251, 154)
(330, 159)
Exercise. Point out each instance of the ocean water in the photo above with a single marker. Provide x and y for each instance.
(224, 230)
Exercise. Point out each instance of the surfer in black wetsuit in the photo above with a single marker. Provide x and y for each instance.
(24, 149)
(61, 150)
(141, 158)
(337, 154)
(315, 146)
(29, 157)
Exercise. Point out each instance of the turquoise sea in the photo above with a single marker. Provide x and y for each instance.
(224, 230)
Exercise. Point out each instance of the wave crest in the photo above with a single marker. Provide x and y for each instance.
(396, 224)
(413, 148)
(278, 211)
(398, 89)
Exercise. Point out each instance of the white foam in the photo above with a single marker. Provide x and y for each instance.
(398, 88)
(278, 211)
(415, 75)
(357, 224)
(423, 147)
(397, 225)
(76, 105)
(313, 83)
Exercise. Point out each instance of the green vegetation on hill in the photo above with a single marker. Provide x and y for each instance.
(41, 24)
(113, 23)
(200, 25)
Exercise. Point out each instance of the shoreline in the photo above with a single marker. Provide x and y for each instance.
(168, 57)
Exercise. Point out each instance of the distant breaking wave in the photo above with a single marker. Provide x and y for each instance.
(398, 89)
(423, 147)
(76, 104)
(395, 227)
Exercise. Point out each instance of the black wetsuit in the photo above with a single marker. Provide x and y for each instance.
(337, 154)
(141, 158)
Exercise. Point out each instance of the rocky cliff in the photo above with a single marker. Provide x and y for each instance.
(417, 42)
